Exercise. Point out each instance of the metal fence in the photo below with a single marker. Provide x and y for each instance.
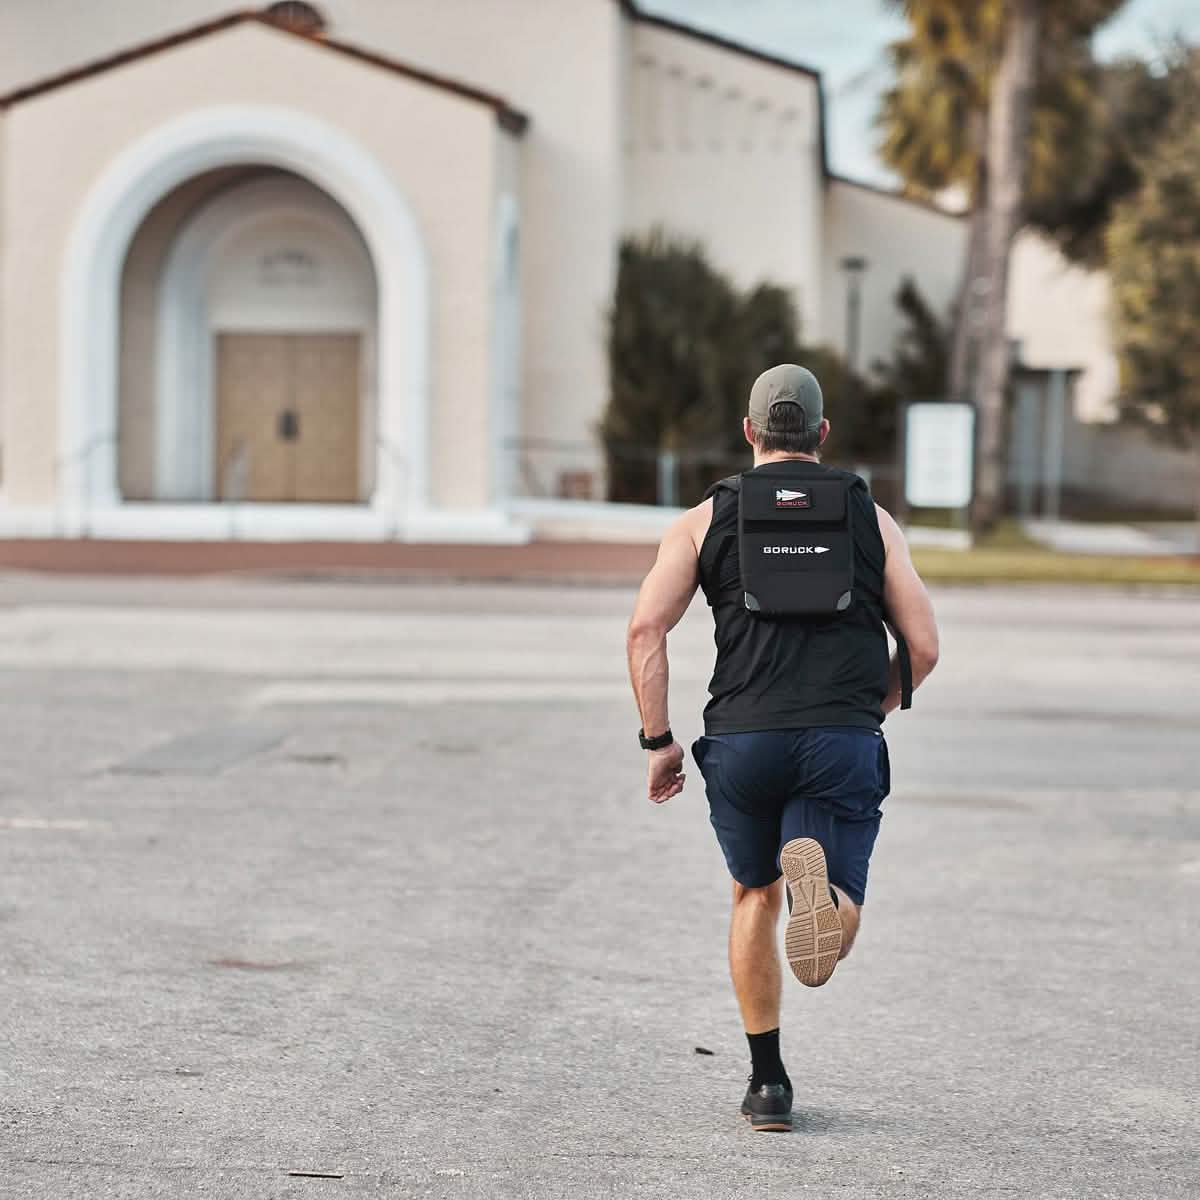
(546, 468)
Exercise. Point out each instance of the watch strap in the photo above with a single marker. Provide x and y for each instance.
(661, 742)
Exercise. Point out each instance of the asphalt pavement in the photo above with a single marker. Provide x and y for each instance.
(358, 880)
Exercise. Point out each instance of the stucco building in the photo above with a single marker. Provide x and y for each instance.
(338, 273)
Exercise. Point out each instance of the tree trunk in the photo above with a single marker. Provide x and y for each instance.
(964, 345)
(1007, 155)
(1197, 546)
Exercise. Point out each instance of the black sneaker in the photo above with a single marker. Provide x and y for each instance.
(768, 1108)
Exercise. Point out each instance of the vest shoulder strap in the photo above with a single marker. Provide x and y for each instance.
(852, 482)
(903, 661)
(731, 483)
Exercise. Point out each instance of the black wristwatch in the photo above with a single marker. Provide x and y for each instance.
(656, 743)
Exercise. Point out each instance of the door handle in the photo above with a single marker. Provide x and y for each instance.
(289, 425)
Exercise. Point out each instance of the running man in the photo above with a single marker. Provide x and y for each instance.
(793, 757)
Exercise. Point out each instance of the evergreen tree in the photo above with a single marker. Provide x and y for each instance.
(1154, 269)
(684, 346)
(917, 368)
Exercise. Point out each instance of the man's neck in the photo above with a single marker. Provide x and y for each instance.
(761, 460)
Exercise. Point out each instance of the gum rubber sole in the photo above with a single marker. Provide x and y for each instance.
(769, 1126)
(813, 937)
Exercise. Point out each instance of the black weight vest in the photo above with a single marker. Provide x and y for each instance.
(792, 567)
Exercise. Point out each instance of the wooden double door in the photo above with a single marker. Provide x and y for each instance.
(288, 417)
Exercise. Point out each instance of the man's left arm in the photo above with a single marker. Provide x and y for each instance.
(665, 594)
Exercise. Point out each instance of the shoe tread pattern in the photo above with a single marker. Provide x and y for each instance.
(813, 937)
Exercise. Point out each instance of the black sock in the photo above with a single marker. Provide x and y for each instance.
(765, 1064)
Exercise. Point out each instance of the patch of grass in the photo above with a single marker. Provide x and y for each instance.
(989, 563)
(1009, 534)
(935, 518)
(1006, 535)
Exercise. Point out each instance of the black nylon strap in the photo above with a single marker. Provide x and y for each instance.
(904, 662)
(660, 742)
(731, 483)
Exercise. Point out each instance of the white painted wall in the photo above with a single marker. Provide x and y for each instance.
(45, 37)
(725, 149)
(309, 110)
(558, 60)
(289, 272)
(1059, 312)
(898, 238)
(508, 307)
(3, 164)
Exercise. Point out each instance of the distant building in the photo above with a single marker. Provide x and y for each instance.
(343, 273)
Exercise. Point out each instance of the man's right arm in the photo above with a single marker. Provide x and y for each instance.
(909, 609)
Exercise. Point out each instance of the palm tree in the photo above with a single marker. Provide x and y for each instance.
(987, 94)
(933, 122)
(1010, 107)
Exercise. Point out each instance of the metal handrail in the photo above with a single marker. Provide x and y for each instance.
(63, 462)
(85, 453)
(399, 461)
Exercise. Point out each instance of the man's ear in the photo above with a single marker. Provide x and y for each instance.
(748, 429)
(823, 431)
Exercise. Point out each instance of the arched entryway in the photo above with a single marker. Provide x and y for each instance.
(280, 181)
(247, 346)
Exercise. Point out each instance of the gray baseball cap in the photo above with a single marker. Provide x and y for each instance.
(793, 384)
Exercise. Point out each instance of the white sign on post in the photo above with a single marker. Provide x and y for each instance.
(939, 455)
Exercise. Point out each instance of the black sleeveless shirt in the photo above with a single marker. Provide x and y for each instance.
(795, 672)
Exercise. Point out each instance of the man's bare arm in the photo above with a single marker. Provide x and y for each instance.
(908, 608)
(665, 595)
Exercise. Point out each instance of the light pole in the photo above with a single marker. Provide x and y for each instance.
(855, 267)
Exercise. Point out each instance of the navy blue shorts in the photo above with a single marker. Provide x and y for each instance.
(766, 788)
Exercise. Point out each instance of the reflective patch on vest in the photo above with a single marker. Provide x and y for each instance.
(786, 498)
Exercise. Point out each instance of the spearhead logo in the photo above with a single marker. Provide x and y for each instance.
(795, 549)
(786, 498)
